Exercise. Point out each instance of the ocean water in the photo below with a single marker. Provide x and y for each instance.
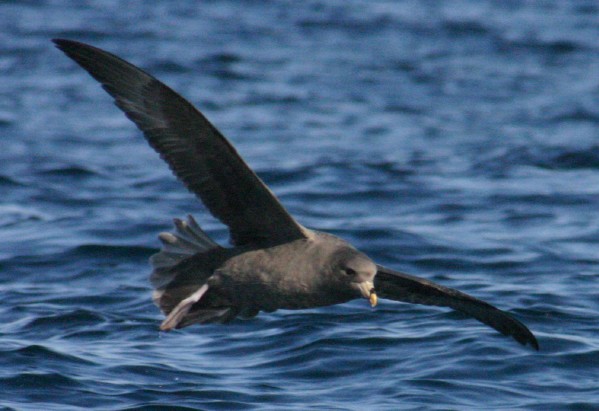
(457, 141)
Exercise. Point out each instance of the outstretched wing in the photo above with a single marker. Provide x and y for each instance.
(398, 286)
(195, 150)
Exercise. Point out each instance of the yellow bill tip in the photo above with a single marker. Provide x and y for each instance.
(373, 299)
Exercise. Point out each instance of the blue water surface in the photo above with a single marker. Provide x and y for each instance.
(454, 140)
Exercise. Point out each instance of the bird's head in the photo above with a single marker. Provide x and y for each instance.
(356, 270)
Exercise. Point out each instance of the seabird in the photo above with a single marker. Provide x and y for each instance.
(274, 262)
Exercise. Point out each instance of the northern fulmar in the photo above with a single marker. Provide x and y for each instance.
(275, 262)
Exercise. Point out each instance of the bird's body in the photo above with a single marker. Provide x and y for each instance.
(274, 262)
(282, 276)
(246, 280)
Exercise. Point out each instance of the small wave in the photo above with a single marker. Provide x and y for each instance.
(557, 47)
(224, 58)
(574, 159)
(168, 67)
(39, 385)
(223, 66)
(347, 22)
(101, 250)
(34, 353)
(72, 319)
(465, 27)
(5, 121)
(9, 182)
(555, 158)
(575, 114)
(68, 171)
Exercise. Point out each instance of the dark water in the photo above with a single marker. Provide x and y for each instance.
(453, 140)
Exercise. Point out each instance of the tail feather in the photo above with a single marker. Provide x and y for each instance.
(187, 239)
(182, 270)
(191, 231)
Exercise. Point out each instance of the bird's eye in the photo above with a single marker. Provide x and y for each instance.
(350, 271)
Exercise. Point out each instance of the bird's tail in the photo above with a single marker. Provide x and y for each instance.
(179, 284)
(187, 239)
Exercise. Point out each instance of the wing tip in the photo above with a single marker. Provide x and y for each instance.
(518, 332)
(71, 48)
(63, 44)
(521, 333)
(74, 48)
(529, 339)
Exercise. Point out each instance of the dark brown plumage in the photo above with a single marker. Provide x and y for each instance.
(275, 262)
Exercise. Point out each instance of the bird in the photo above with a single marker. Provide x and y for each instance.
(273, 262)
